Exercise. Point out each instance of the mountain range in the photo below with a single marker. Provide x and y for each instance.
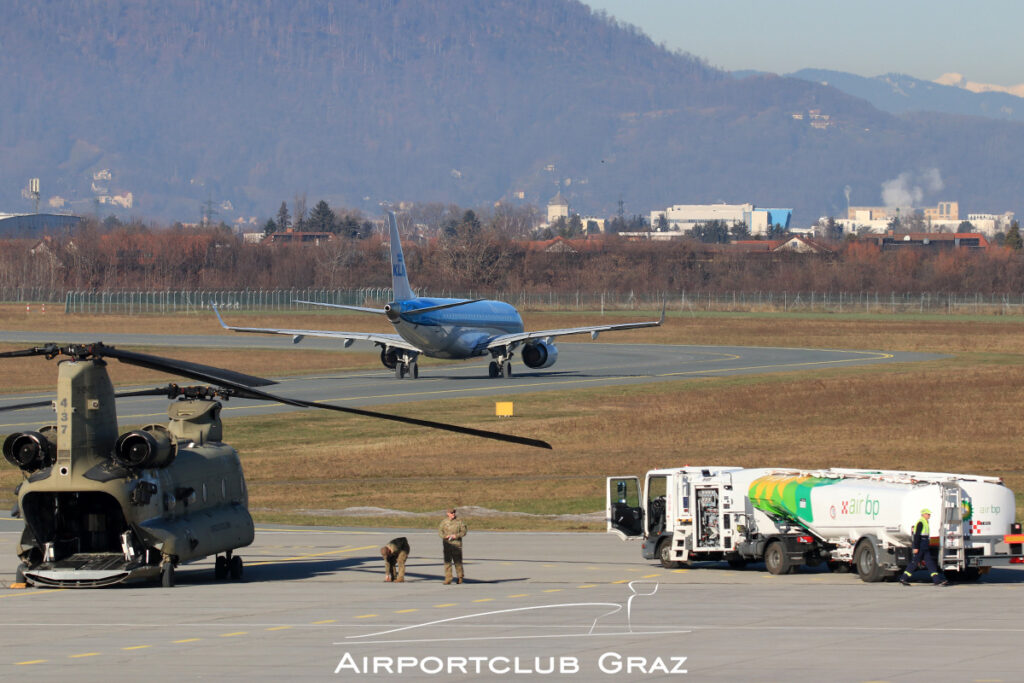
(238, 105)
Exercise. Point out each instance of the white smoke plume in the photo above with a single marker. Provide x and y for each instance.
(906, 190)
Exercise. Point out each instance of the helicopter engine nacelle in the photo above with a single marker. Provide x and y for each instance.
(539, 354)
(145, 448)
(30, 451)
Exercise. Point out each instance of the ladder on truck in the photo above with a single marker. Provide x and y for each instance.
(952, 555)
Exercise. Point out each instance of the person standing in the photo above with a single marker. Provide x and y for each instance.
(922, 552)
(451, 531)
(395, 553)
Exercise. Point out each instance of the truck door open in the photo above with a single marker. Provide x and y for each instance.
(623, 513)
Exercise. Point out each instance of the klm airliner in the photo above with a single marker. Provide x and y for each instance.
(447, 328)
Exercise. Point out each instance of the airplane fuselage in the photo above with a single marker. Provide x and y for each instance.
(457, 332)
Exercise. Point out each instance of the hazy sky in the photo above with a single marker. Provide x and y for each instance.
(925, 39)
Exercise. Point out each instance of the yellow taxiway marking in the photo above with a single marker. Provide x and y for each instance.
(316, 531)
(405, 611)
(282, 628)
(232, 635)
(483, 600)
(33, 592)
(31, 661)
(649, 576)
(679, 571)
(306, 557)
(622, 581)
(186, 640)
(587, 585)
(518, 595)
(365, 616)
(447, 604)
(325, 621)
(552, 590)
(85, 654)
(136, 647)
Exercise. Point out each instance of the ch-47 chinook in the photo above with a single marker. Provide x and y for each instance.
(447, 328)
(102, 508)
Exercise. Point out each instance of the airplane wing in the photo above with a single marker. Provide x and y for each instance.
(594, 330)
(389, 340)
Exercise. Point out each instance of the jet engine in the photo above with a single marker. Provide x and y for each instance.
(30, 451)
(389, 357)
(539, 354)
(145, 448)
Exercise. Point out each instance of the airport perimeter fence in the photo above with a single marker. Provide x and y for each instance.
(196, 301)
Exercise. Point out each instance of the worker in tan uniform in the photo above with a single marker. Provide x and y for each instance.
(451, 531)
(395, 553)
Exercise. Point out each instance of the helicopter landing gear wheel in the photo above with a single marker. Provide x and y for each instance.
(492, 369)
(167, 575)
(235, 568)
(220, 568)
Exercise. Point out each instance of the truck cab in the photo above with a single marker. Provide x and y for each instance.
(682, 514)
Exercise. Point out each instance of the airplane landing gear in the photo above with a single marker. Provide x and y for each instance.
(406, 365)
(500, 369)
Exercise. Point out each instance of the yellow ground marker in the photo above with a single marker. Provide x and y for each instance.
(447, 604)
(650, 576)
(306, 557)
(405, 611)
(232, 635)
(18, 585)
(622, 581)
(84, 654)
(186, 640)
(136, 647)
(325, 621)
(552, 590)
(30, 661)
(278, 628)
(518, 595)
(587, 585)
(365, 616)
(503, 408)
(483, 600)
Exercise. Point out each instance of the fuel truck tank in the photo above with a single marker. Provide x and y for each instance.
(867, 517)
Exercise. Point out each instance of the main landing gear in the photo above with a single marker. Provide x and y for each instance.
(228, 565)
(502, 369)
(404, 368)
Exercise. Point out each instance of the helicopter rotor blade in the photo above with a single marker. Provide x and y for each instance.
(33, 404)
(203, 373)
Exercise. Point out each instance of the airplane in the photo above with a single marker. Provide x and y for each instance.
(446, 328)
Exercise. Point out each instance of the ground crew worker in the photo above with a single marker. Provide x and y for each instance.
(922, 552)
(451, 531)
(395, 554)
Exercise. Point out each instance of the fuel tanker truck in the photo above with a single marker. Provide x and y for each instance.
(851, 519)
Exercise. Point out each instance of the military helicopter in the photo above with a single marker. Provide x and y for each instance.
(102, 508)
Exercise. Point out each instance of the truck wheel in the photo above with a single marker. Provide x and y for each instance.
(19, 573)
(775, 559)
(665, 554)
(866, 561)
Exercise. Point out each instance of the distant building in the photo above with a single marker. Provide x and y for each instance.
(944, 211)
(933, 240)
(293, 237)
(683, 217)
(34, 224)
(558, 207)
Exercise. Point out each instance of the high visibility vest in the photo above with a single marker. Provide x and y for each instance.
(924, 527)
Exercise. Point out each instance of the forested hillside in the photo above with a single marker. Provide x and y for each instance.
(237, 104)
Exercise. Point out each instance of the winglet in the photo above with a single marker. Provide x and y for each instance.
(399, 277)
(217, 313)
(664, 305)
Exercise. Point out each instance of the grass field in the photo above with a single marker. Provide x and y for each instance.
(960, 414)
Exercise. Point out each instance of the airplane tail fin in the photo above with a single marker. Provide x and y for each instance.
(399, 278)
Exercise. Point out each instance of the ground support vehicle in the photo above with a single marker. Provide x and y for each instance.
(852, 519)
